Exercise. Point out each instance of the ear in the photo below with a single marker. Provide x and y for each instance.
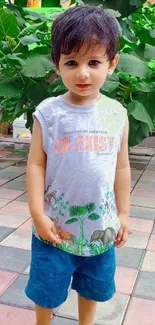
(58, 72)
(56, 69)
(113, 65)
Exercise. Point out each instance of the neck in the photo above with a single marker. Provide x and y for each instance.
(81, 100)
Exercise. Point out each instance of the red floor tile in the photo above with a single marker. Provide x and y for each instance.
(151, 244)
(6, 279)
(143, 192)
(125, 279)
(3, 202)
(142, 225)
(27, 225)
(140, 312)
(17, 207)
(4, 153)
(16, 316)
(9, 194)
(2, 181)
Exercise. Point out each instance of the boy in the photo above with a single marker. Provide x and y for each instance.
(78, 174)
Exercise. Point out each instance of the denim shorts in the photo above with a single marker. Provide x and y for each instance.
(53, 270)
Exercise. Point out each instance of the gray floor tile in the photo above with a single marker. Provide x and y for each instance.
(144, 184)
(151, 167)
(137, 166)
(5, 165)
(23, 198)
(63, 321)
(4, 174)
(5, 231)
(14, 259)
(109, 313)
(15, 295)
(142, 212)
(129, 257)
(16, 185)
(145, 286)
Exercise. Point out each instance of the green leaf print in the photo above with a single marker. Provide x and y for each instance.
(93, 216)
(73, 220)
(77, 211)
(90, 207)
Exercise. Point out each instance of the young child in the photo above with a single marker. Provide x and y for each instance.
(78, 175)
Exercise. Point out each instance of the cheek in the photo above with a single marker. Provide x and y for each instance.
(67, 75)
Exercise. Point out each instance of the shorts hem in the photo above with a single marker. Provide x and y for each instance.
(94, 297)
(44, 303)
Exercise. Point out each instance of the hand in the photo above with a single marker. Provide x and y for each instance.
(122, 235)
(46, 230)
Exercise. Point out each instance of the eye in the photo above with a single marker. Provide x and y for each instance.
(94, 63)
(71, 63)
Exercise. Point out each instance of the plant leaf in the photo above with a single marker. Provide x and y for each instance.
(37, 67)
(15, 58)
(138, 131)
(93, 216)
(133, 66)
(136, 3)
(139, 112)
(29, 39)
(70, 221)
(149, 52)
(146, 87)
(10, 87)
(8, 24)
(111, 83)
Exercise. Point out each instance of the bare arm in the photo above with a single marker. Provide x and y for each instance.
(36, 174)
(122, 188)
(36, 168)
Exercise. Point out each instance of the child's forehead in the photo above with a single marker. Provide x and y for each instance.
(86, 51)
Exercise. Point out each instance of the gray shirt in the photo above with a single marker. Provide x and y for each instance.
(82, 144)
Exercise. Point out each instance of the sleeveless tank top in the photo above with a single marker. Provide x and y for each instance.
(81, 144)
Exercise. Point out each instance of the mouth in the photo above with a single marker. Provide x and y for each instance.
(83, 86)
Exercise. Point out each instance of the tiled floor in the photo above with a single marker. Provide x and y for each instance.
(134, 301)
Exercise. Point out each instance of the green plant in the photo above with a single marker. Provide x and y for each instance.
(124, 7)
(133, 84)
(154, 123)
(27, 75)
(26, 70)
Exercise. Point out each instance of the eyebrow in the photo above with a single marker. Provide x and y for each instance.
(89, 58)
(69, 58)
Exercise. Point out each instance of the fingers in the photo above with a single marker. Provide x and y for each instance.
(54, 238)
(121, 237)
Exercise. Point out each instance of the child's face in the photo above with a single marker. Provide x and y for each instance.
(84, 72)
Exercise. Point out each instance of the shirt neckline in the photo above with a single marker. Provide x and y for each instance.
(77, 108)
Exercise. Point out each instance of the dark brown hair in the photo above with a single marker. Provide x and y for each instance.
(84, 25)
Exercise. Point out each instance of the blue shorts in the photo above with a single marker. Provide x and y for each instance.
(52, 270)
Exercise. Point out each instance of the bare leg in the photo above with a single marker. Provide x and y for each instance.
(87, 309)
(43, 315)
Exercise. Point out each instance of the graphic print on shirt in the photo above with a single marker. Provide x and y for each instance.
(99, 241)
(84, 143)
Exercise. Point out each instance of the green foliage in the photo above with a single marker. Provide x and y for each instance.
(124, 7)
(154, 123)
(133, 83)
(27, 75)
(26, 69)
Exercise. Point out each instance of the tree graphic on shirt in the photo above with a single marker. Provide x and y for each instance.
(79, 214)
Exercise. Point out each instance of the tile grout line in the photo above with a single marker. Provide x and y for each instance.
(141, 175)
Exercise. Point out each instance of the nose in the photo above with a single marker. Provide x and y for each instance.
(82, 73)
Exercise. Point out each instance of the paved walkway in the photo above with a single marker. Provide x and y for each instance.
(134, 302)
